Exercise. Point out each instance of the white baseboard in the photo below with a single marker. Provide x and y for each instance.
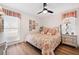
(15, 42)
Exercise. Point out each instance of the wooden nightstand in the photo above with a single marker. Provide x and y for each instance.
(69, 40)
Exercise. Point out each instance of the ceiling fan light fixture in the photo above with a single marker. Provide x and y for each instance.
(45, 11)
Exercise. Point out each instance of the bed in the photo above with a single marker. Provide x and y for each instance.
(45, 40)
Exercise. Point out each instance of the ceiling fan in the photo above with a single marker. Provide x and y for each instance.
(45, 10)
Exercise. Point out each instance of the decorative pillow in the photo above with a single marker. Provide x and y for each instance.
(56, 30)
(48, 33)
(45, 30)
(52, 31)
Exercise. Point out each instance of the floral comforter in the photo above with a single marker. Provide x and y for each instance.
(42, 41)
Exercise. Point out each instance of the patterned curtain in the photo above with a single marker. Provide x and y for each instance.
(10, 13)
(70, 14)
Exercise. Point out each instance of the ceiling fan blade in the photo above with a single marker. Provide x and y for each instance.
(44, 9)
(39, 12)
(50, 11)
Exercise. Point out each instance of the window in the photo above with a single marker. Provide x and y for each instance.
(11, 28)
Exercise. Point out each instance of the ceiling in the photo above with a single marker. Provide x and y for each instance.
(34, 8)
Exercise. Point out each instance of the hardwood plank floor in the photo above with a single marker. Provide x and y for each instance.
(22, 49)
(66, 50)
(27, 49)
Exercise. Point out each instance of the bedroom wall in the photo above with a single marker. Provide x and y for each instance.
(50, 20)
(77, 25)
(25, 25)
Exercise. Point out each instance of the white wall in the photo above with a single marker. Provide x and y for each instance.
(50, 20)
(25, 25)
(77, 26)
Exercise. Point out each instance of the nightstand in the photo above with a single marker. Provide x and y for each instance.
(69, 40)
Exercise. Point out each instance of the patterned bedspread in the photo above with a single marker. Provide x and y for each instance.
(44, 42)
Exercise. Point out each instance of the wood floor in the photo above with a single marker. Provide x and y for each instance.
(22, 49)
(66, 50)
(27, 49)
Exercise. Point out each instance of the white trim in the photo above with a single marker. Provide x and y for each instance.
(14, 42)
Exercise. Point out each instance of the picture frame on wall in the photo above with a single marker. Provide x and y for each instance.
(32, 25)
